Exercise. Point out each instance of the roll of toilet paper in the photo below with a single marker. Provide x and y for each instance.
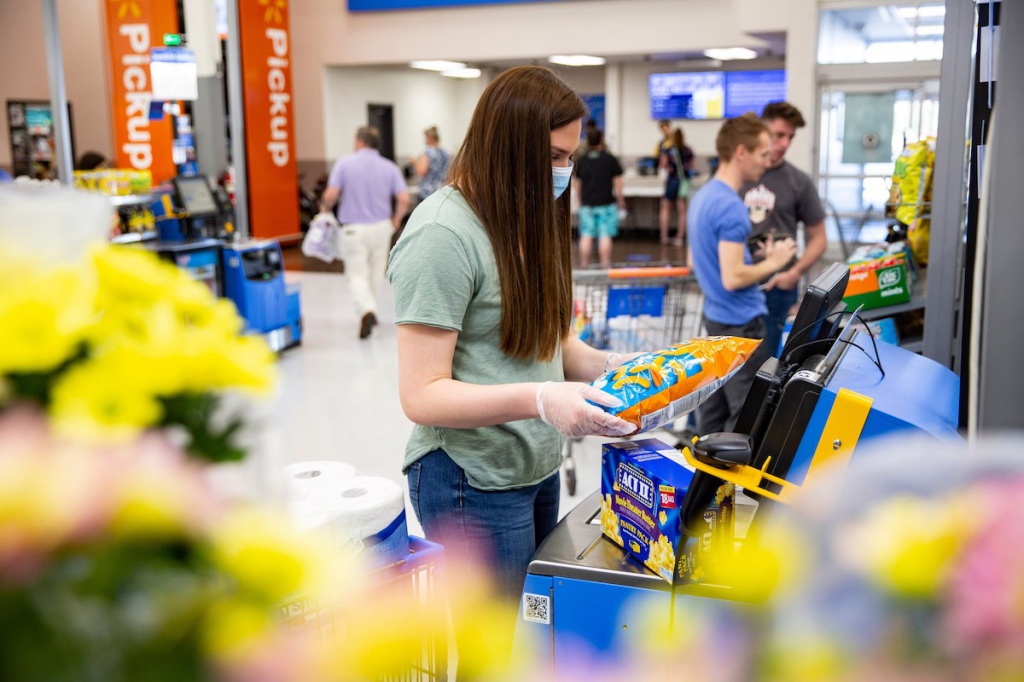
(313, 479)
(364, 513)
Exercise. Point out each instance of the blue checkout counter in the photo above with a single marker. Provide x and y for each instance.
(251, 275)
(830, 406)
(191, 223)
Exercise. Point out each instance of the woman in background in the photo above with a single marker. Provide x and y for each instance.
(677, 161)
(432, 165)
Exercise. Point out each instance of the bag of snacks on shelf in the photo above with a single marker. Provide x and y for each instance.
(658, 387)
(910, 196)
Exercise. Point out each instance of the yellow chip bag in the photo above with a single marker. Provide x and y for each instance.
(658, 387)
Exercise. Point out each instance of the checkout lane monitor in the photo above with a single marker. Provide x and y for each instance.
(196, 196)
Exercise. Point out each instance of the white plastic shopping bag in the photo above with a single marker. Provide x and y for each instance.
(321, 239)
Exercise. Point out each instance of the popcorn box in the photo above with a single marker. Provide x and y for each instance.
(643, 484)
(879, 282)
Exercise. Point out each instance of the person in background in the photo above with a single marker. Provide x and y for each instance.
(676, 159)
(598, 185)
(584, 147)
(373, 200)
(488, 370)
(734, 304)
(5, 176)
(92, 161)
(783, 199)
(432, 165)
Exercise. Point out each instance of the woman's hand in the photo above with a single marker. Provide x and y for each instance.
(564, 406)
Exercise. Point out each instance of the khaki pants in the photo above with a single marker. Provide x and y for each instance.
(364, 247)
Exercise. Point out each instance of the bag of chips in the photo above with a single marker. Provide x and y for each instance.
(661, 386)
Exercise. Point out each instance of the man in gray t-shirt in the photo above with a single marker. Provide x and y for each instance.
(784, 198)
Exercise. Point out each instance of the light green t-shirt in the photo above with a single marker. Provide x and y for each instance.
(443, 274)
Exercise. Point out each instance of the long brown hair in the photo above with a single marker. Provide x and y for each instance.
(504, 171)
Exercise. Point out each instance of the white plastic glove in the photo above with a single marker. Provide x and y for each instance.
(564, 406)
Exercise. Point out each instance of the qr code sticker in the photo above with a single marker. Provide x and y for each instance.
(537, 608)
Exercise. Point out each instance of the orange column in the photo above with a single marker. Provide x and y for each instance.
(269, 128)
(133, 27)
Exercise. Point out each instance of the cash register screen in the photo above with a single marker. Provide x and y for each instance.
(195, 195)
(817, 319)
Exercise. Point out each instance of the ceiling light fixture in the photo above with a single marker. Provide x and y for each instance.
(923, 12)
(436, 65)
(727, 53)
(929, 30)
(464, 72)
(576, 60)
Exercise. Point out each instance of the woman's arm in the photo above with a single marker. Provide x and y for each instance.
(582, 362)
(431, 397)
(421, 164)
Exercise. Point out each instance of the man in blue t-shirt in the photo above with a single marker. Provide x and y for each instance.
(718, 229)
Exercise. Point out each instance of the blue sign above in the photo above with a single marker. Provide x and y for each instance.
(378, 5)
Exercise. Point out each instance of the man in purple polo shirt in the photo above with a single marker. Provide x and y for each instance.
(366, 183)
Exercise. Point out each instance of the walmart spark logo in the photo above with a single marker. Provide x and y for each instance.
(273, 11)
(126, 7)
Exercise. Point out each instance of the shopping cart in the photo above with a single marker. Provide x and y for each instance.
(420, 576)
(629, 309)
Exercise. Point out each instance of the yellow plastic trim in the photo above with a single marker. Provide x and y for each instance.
(839, 437)
(742, 475)
(835, 447)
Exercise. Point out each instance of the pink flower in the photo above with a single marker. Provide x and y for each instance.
(985, 612)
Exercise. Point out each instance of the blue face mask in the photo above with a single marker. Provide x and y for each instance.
(560, 178)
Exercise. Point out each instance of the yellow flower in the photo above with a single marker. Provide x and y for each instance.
(235, 628)
(101, 399)
(129, 276)
(44, 315)
(244, 362)
(806, 658)
(907, 545)
(269, 558)
(155, 502)
(779, 562)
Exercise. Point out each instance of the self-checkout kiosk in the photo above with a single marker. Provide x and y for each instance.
(831, 392)
(190, 210)
(254, 280)
(195, 233)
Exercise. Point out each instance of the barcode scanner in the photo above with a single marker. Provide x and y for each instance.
(719, 450)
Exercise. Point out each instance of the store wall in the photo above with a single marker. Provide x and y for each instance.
(420, 99)
(327, 37)
(331, 37)
(24, 75)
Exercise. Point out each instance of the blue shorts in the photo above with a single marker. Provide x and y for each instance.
(599, 221)
(677, 188)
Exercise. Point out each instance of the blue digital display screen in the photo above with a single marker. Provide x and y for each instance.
(751, 90)
(708, 95)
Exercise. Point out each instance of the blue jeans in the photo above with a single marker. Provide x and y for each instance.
(501, 528)
(779, 302)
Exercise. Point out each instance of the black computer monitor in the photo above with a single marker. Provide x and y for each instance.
(818, 317)
(196, 197)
